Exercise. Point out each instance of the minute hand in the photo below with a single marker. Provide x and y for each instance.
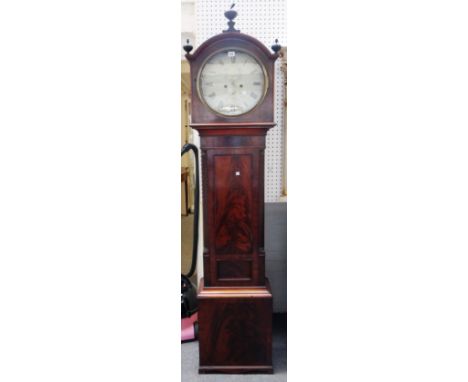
(234, 87)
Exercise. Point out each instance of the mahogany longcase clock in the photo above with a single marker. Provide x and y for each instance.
(232, 76)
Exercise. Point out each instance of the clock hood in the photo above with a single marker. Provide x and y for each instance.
(228, 39)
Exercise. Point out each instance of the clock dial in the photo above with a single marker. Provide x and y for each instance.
(232, 82)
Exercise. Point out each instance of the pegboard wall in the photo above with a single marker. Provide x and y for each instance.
(266, 21)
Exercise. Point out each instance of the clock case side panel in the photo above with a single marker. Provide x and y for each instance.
(201, 113)
(206, 225)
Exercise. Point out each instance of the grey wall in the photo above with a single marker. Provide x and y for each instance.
(276, 252)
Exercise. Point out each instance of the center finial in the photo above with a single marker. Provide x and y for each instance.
(231, 14)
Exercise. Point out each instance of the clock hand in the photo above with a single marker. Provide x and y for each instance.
(234, 87)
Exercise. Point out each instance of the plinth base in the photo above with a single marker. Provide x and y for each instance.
(235, 329)
(235, 370)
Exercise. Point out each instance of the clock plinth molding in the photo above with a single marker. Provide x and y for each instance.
(235, 299)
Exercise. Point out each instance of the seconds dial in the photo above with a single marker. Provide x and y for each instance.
(232, 82)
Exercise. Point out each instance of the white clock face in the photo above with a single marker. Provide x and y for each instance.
(232, 82)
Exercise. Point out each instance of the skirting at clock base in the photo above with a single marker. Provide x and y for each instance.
(235, 329)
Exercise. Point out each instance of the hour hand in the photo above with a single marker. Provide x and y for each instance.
(233, 87)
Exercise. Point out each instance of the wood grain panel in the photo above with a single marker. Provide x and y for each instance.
(235, 328)
(231, 270)
(233, 204)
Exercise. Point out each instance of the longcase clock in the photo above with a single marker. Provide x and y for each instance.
(232, 76)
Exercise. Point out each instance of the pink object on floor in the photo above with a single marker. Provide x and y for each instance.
(188, 328)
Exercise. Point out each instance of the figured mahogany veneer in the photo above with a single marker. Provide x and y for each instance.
(233, 198)
(235, 326)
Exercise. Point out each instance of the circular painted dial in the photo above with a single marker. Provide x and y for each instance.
(232, 82)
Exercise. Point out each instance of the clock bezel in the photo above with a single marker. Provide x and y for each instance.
(257, 60)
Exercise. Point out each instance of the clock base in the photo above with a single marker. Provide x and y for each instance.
(235, 329)
(235, 369)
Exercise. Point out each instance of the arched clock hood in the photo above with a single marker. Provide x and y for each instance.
(261, 116)
(233, 39)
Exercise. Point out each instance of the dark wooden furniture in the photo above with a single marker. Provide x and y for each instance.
(235, 300)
